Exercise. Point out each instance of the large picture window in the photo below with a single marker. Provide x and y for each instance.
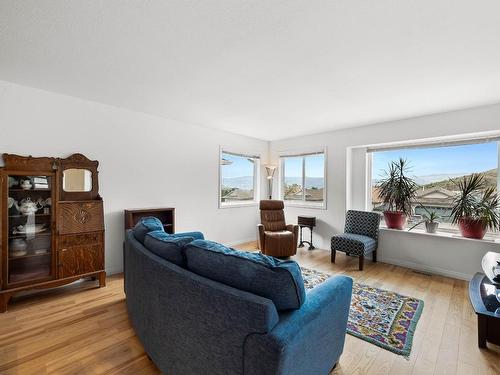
(436, 168)
(303, 179)
(239, 176)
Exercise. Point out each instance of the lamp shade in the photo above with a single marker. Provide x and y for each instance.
(270, 169)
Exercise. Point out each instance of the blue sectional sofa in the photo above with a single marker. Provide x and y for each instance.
(214, 310)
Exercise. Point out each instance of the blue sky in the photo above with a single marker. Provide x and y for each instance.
(240, 167)
(243, 167)
(452, 160)
(314, 166)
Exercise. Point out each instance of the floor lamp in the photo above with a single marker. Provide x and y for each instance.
(270, 169)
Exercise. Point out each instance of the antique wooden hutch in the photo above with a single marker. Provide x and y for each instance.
(52, 223)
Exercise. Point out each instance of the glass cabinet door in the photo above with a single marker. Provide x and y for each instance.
(29, 223)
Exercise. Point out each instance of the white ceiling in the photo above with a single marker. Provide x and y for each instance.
(268, 69)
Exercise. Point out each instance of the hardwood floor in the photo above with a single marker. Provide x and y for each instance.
(70, 331)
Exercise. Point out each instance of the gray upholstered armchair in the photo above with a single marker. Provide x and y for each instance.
(360, 236)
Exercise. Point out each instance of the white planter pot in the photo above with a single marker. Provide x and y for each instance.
(431, 227)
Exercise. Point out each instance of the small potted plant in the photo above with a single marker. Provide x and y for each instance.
(397, 191)
(430, 218)
(476, 207)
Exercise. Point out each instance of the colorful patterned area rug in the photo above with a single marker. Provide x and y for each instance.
(383, 318)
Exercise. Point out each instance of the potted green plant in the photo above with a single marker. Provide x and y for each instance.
(397, 191)
(430, 218)
(476, 207)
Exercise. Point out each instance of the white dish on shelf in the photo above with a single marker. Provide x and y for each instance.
(33, 228)
(18, 253)
(41, 251)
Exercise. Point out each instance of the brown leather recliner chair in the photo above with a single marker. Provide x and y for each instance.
(275, 237)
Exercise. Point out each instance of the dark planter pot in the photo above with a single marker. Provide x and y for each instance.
(394, 219)
(472, 228)
(431, 227)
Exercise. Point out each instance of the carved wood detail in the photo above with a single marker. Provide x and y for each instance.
(82, 216)
(28, 163)
(77, 160)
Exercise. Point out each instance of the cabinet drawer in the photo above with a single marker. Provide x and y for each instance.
(69, 240)
(78, 260)
(80, 217)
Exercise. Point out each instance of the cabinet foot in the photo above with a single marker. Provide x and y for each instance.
(102, 279)
(4, 301)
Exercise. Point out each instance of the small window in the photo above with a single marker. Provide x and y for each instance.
(238, 179)
(303, 179)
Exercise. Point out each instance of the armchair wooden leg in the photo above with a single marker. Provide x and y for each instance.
(334, 252)
(374, 256)
(361, 262)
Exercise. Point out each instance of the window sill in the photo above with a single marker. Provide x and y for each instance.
(454, 236)
(305, 205)
(235, 205)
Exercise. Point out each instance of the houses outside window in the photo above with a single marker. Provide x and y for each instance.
(303, 179)
(436, 168)
(239, 179)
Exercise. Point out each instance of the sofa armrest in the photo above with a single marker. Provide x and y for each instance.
(308, 340)
(261, 239)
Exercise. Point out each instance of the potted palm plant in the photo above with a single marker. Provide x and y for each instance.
(476, 207)
(430, 218)
(397, 191)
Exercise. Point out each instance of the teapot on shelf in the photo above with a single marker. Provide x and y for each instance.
(28, 207)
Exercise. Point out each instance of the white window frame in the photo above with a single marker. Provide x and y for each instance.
(256, 179)
(303, 203)
(465, 141)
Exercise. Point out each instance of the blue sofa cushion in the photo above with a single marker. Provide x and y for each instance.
(167, 247)
(279, 280)
(146, 225)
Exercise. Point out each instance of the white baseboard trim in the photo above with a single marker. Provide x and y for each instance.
(111, 270)
(426, 268)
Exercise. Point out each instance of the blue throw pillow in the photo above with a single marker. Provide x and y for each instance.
(167, 247)
(195, 235)
(146, 225)
(279, 280)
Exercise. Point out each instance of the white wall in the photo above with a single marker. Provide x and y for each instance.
(145, 161)
(151, 161)
(347, 187)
